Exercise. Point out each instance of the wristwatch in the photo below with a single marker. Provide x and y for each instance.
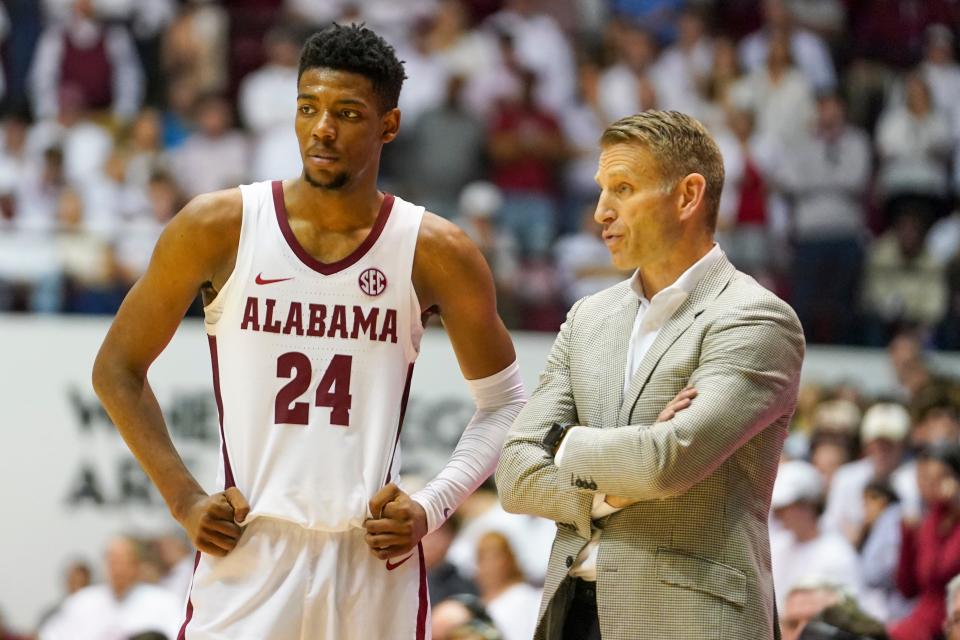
(554, 436)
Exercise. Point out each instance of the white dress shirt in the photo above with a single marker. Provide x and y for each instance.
(651, 316)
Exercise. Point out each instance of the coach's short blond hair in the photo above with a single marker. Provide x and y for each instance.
(680, 145)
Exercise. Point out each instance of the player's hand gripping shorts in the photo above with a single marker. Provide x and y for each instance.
(284, 582)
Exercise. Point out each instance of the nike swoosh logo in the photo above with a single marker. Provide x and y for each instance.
(446, 512)
(391, 566)
(261, 280)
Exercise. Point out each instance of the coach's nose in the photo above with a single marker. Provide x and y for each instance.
(605, 213)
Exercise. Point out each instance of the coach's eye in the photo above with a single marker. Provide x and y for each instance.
(623, 189)
(306, 109)
(350, 114)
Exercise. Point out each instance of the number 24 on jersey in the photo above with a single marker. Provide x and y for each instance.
(333, 390)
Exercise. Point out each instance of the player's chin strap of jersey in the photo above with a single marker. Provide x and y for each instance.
(499, 399)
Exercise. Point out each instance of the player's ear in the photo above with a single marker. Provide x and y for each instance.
(391, 125)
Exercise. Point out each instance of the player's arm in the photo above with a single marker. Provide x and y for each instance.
(451, 275)
(195, 249)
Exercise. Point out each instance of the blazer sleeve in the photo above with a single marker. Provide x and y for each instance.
(527, 479)
(747, 378)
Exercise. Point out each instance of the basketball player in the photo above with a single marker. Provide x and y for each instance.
(314, 290)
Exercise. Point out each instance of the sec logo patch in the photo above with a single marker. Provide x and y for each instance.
(373, 282)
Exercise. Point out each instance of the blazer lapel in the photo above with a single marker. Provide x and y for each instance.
(704, 293)
(612, 356)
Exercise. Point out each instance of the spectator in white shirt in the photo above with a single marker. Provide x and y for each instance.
(883, 433)
(808, 50)
(121, 608)
(686, 64)
(215, 156)
(13, 160)
(583, 262)
(542, 47)
(780, 95)
(631, 85)
(267, 100)
(914, 142)
(86, 145)
(512, 603)
(941, 71)
(800, 551)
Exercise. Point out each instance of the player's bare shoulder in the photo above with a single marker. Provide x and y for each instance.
(446, 258)
(205, 234)
(212, 218)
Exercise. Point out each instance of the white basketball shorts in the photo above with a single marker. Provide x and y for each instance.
(285, 582)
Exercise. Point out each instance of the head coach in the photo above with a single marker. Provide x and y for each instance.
(653, 437)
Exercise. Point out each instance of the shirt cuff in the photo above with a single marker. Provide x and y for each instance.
(600, 508)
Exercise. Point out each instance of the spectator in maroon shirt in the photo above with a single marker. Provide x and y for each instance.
(930, 553)
(525, 147)
(93, 58)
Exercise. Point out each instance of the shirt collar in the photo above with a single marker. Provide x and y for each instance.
(669, 299)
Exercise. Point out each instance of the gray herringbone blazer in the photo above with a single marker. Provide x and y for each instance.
(691, 560)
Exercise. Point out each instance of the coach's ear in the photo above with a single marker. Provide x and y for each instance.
(391, 125)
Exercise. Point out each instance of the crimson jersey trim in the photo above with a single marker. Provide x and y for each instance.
(329, 268)
(227, 469)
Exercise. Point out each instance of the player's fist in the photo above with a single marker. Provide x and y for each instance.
(213, 522)
(397, 525)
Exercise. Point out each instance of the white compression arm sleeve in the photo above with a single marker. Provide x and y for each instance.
(499, 399)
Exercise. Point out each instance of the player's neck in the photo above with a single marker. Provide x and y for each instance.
(351, 207)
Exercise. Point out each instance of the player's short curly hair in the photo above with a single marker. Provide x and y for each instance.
(359, 50)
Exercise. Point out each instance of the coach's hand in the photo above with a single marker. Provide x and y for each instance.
(213, 522)
(680, 402)
(397, 525)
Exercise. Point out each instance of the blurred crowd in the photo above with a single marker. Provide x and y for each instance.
(864, 534)
(865, 510)
(838, 121)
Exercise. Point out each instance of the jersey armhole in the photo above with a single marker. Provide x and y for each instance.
(417, 329)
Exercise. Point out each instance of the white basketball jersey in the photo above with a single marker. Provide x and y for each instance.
(312, 363)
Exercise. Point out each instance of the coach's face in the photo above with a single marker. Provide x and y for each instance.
(340, 127)
(640, 217)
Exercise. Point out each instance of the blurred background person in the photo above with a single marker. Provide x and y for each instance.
(930, 550)
(443, 578)
(824, 176)
(799, 550)
(883, 433)
(264, 100)
(803, 603)
(878, 546)
(583, 262)
(460, 617)
(77, 575)
(93, 58)
(951, 625)
(216, 155)
(511, 602)
(121, 607)
(904, 285)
